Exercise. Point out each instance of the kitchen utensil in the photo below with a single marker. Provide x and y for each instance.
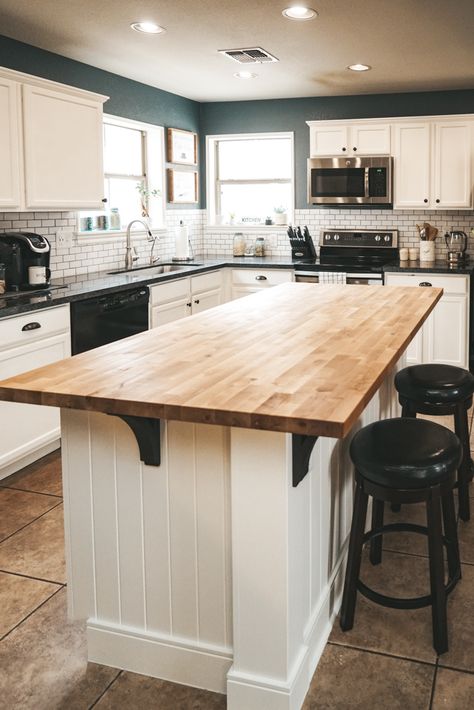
(456, 243)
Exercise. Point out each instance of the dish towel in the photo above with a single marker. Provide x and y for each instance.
(332, 277)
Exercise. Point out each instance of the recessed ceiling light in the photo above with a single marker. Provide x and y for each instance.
(245, 75)
(149, 28)
(298, 12)
(359, 67)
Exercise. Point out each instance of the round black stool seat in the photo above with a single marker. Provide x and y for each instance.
(406, 453)
(435, 384)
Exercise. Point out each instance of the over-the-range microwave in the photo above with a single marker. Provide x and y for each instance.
(350, 180)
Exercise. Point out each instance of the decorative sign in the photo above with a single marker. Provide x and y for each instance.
(182, 147)
(182, 186)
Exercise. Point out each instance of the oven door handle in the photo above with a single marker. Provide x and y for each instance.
(366, 182)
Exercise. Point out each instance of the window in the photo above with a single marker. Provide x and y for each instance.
(250, 179)
(133, 177)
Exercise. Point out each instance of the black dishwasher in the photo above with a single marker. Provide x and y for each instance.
(103, 319)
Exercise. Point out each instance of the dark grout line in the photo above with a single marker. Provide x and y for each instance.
(31, 521)
(433, 685)
(385, 654)
(105, 691)
(36, 579)
(31, 613)
(458, 670)
(28, 490)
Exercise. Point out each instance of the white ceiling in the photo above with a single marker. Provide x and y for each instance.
(412, 45)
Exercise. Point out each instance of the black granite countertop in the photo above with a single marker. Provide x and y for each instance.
(434, 267)
(77, 288)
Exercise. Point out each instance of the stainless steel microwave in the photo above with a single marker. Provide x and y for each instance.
(350, 180)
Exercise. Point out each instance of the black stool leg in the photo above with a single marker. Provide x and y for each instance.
(356, 541)
(438, 592)
(376, 542)
(451, 535)
(407, 411)
(464, 473)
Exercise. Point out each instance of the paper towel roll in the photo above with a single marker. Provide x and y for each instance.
(182, 242)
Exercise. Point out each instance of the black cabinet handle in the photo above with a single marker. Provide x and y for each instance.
(425, 283)
(197, 300)
(354, 149)
(344, 149)
(189, 304)
(438, 201)
(260, 278)
(104, 199)
(32, 326)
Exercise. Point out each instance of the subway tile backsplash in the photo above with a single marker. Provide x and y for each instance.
(107, 252)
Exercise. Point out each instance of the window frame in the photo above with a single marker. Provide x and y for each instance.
(213, 182)
(153, 136)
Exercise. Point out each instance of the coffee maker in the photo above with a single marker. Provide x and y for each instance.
(456, 243)
(26, 257)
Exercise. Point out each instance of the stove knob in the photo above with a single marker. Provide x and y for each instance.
(336, 237)
(378, 237)
(327, 237)
(386, 238)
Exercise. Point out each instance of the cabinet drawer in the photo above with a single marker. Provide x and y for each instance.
(50, 321)
(261, 277)
(450, 284)
(206, 282)
(170, 291)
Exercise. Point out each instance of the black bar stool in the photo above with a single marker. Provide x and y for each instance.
(405, 461)
(440, 390)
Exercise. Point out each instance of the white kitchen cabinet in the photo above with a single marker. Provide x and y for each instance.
(433, 164)
(444, 338)
(29, 341)
(335, 138)
(246, 281)
(51, 143)
(177, 299)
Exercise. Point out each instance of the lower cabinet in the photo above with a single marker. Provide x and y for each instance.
(245, 281)
(184, 297)
(444, 338)
(28, 341)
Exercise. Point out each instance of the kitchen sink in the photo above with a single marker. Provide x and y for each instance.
(155, 269)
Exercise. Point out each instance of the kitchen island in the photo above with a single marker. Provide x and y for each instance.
(207, 485)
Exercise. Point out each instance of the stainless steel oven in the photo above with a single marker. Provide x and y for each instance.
(350, 181)
(327, 277)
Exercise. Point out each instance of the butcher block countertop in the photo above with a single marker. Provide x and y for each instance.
(299, 358)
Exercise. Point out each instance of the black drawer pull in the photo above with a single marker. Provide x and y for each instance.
(32, 326)
(260, 278)
(197, 300)
(425, 283)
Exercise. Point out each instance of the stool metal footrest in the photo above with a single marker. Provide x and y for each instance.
(402, 602)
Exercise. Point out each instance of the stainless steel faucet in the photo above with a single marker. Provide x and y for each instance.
(130, 252)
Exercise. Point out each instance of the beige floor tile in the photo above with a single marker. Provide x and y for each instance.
(405, 633)
(38, 549)
(461, 624)
(18, 508)
(347, 679)
(42, 476)
(136, 691)
(19, 596)
(44, 663)
(453, 690)
(413, 543)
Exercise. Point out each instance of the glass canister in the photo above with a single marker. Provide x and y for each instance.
(260, 246)
(238, 247)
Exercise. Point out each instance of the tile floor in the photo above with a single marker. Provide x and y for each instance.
(386, 661)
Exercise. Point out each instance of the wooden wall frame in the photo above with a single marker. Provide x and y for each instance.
(182, 186)
(182, 147)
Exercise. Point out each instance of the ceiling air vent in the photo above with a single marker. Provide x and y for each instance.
(254, 55)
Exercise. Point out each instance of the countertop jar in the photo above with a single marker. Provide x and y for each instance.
(238, 248)
(260, 246)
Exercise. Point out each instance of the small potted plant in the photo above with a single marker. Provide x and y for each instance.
(280, 215)
(268, 220)
(231, 217)
(145, 196)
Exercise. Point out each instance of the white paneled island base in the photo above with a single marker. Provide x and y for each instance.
(210, 570)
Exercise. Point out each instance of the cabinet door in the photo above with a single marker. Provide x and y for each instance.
(412, 165)
(203, 301)
(63, 150)
(370, 139)
(446, 339)
(329, 140)
(240, 291)
(452, 186)
(10, 195)
(27, 427)
(169, 312)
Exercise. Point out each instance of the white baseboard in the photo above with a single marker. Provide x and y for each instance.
(31, 456)
(160, 657)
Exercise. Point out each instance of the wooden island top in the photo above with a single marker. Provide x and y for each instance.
(295, 358)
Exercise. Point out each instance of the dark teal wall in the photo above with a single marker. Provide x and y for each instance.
(128, 98)
(292, 114)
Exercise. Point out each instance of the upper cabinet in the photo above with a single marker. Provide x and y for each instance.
(433, 164)
(335, 138)
(51, 143)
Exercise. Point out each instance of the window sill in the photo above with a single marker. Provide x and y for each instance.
(102, 237)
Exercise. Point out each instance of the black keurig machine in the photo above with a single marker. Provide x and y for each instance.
(26, 257)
